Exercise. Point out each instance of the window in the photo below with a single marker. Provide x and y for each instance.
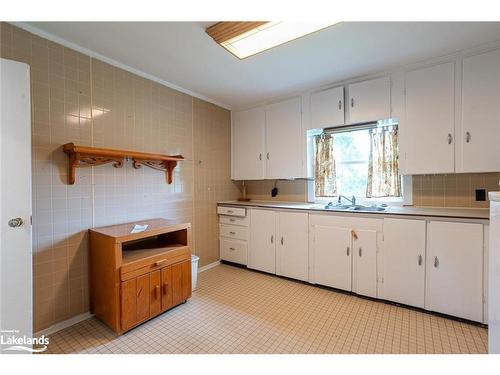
(360, 161)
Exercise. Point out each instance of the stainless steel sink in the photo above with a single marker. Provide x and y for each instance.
(367, 208)
(350, 207)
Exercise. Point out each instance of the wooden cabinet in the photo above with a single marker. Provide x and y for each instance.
(479, 132)
(369, 101)
(283, 139)
(248, 147)
(292, 253)
(136, 276)
(455, 269)
(403, 261)
(428, 127)
(262, 250)
(327, 108)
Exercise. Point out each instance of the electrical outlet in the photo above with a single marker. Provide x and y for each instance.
(480, 195)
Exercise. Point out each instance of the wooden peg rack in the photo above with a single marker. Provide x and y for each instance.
(82, 156)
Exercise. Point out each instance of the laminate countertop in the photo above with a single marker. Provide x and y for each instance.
(459, 213)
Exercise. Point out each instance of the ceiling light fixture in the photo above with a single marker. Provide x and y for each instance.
(244, 39)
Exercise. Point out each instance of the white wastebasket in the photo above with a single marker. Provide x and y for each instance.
(194, 271)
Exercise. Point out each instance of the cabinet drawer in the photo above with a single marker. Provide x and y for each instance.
(233, 231)
(231, 211)
(232, 220)
(233, 251)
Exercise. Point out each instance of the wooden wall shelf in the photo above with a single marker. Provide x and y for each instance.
(82, 156)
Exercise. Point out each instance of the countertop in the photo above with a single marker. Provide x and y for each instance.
(494, 196)
(462, 213)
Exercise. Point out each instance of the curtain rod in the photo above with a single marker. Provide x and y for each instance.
(365, 126)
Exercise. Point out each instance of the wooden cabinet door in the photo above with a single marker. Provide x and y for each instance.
(365, 262)
(181, 282)
(142, 295)
(262, 251)
(128, 308)
(327, 108)
(292, 252)
(370, 100)
(248, 149)
(331, 256)
(283, 139)
(455, 269)
(427, 131)
(480, 125)
(166, 288)
(155, 293)
(403, 265)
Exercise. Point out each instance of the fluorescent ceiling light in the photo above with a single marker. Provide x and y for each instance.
(266, 35)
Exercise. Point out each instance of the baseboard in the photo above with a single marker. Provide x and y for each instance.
(208, 266)
(64, 324)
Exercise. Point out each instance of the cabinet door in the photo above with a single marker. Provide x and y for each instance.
(166, 288)
(128, 299)
(403, 257)
(292, 252)
(143, 290)
(181, 282)
(365, 262)
(283, 139)
(455, 269)
(262, 251)
(480, 127)
(331, 256)
(248, 129)
(428, 128)
(155, 293)
(327, 108)
(369, 100)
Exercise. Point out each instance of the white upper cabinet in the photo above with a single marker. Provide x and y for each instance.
(428, 128)
(283, 139)
(327, 108)
(369, 100)
(248, 144)
(479, 135)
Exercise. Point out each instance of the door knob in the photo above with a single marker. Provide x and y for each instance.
(17, 222)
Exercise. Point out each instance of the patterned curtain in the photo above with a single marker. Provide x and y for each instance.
(383, 166)
(324, 167)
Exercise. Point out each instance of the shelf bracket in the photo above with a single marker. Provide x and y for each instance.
(166, 166)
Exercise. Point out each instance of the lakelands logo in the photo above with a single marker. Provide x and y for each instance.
(11, 341)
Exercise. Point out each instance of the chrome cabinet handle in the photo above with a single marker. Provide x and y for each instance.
(467, 137)
(348, 250)
(230, 211)
(232, 220)
(17, 222)
(232, 232)
(352, 102)
(232, 248)
(420, 259)
(260, 156)
(340, 104)
(436, 262)
(272, 239)
(281, 241)
(360, 252)
(450, 138)
(267, 156)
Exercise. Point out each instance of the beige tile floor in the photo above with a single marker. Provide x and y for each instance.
(236, 310)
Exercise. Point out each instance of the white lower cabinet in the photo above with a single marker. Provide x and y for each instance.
(364, 243)
(455, 269)
(262, 251)
(403, 261)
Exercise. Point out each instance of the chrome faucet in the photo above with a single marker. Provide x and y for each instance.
(351, 201)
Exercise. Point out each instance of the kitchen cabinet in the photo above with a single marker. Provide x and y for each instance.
(428, 126)
(327, 108)
(233, 234)
(364, 245)
(370, 100)
(292, 252)
(248, 147)
(403, 264)
(480, 114)
(455, 269)
(283, 139)
(262, 249)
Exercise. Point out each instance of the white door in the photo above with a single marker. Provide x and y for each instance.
(262, 252)
(455, 269)
(327, 108)
(428, 129)
(15, 206)
(365, 262)
(480, 127)
(248, 129)
(292, 252)
(283, 139)
(331, 256)
(369, 100)
(403, 257)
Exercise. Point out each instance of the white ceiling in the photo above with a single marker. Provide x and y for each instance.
(182, 54)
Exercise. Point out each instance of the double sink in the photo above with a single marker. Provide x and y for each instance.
(355, 207)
